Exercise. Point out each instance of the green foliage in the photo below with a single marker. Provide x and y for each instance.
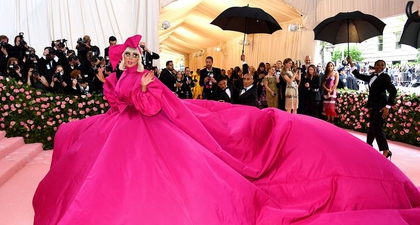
(402, 124)
(418, 55)
(355, 54)
(36, 115)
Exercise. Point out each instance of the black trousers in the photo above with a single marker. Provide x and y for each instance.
(376, 130)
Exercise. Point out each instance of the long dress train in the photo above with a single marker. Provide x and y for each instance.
(156, 159)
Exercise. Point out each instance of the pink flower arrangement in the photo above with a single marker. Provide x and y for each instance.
(36, 115)
(401, 124)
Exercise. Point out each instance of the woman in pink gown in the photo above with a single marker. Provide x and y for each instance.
(156, 159)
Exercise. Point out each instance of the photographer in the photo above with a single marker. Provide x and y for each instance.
(84, 46)
(30, 59)
(36, 80)
(147, 56)
(47, 63)
(20, 47)
(73, 62)
(60, 48)
(58, 84)
(14, 70)
(5, 50)
(75, 83)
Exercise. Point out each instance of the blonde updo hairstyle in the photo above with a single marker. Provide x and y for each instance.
(140, 67)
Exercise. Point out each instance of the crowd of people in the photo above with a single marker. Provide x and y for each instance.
(306, 89)
(60, 69)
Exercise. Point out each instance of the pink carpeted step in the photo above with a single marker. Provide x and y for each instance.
(2, 134)
(7, 145)
(17, 159)
(17, 193)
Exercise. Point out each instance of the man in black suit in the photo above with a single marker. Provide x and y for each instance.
(147, 56)
(208, 78)
(112, 41)
(248, 95)
(224, 91)
(379, 102)
(168, 78)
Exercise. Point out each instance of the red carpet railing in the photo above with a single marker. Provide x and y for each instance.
(36, 115)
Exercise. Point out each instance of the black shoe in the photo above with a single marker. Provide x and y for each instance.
(389, 155)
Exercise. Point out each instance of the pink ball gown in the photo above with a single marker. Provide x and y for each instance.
(155, 159)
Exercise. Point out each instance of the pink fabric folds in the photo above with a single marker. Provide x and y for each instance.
(155, 159)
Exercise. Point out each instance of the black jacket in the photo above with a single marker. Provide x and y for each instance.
(377, 91)
(250, 97)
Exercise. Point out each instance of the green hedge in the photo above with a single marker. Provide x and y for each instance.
(36, 115)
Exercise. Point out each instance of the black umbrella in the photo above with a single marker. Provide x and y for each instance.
(411, 32)
(247, 20)
(349, 27)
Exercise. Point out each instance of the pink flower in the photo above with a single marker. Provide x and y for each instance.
(49, 138)
(12, 123)
(38, 113)
(38, 93)
(6, 107)
(28, 97)
(80, 105)
(37, 100)
(401, 133)
(82, 112)
(12, 98)
(3, 99)
(2, 126)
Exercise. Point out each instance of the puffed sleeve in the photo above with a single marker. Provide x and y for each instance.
(147, 103)
(110, 93)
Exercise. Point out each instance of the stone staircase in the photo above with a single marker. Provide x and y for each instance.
(22, 166)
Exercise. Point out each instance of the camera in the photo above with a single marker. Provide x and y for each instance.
(58, 76)
(3, 44)
(35, 72)
(81, 41)
(30, 54)
(22, 41)
(62, 43)
(94, 58)
(81, 44)
(14, 66)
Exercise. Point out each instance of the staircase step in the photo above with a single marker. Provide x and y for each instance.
(7, 145)
(17, 193)
(17, 159)
(2, 134)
